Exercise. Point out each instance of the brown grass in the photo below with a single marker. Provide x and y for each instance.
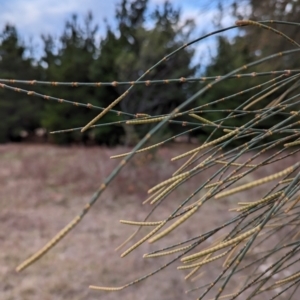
(44, 187)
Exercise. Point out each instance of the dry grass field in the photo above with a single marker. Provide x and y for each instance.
(42, 187)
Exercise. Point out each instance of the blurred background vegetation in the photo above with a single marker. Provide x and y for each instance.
(123, 55)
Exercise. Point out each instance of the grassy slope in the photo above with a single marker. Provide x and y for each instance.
(44, 187)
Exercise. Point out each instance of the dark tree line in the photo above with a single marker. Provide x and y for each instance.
(123, 55)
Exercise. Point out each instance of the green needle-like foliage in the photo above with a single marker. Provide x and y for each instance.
(234, 150)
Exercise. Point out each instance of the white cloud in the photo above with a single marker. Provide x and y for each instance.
(34, 17)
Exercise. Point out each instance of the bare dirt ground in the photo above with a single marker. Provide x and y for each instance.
(43, 187)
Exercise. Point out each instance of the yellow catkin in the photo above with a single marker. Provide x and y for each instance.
(233, 209)
(235, 164)
(222, 245)
(185, 164)
(104, 112)
(263, 97)
(49, 245)
(215, 243)
(138, 151)
(270, 197)
(191, 273)
(165, 191)
(166, 252)
(199, 202)
(141, 115)
(174, 225)
(153, 195)
(227, 180)
(202, 262)
(204, 259)
(136, 223)
(206, 145)
(145, 121)
(170, 180)
(255, 183)
(296, 143)
(104, 288)
(288, 279)
(145, 238)
(179, 176)
(286, 180)
(202, 164)
(202, 119)
(263, 200)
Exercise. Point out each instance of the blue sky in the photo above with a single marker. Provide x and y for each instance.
(34, 17)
